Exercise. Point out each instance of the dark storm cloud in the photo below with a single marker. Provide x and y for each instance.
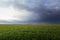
(48, 10)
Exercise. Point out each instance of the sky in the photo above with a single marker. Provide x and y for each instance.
(29, 11)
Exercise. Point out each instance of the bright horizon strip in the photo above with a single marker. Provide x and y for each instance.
(9, 13)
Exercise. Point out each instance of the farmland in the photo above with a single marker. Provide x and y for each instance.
(29, 31)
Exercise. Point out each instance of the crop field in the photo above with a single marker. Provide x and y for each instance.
(29, 31)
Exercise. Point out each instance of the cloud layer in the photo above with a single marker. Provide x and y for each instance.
(30, 11)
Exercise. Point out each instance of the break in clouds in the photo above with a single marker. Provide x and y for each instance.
(29, 11)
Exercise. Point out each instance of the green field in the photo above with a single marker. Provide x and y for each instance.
(29, 31)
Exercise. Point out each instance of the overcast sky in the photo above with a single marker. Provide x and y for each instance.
(29, 11)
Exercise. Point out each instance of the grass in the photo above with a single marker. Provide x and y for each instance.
(29, 31)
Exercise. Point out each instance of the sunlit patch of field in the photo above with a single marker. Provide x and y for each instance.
(29, 31)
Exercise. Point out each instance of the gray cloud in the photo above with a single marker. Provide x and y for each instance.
(6, 3)
(43, 11)
(47, 10)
